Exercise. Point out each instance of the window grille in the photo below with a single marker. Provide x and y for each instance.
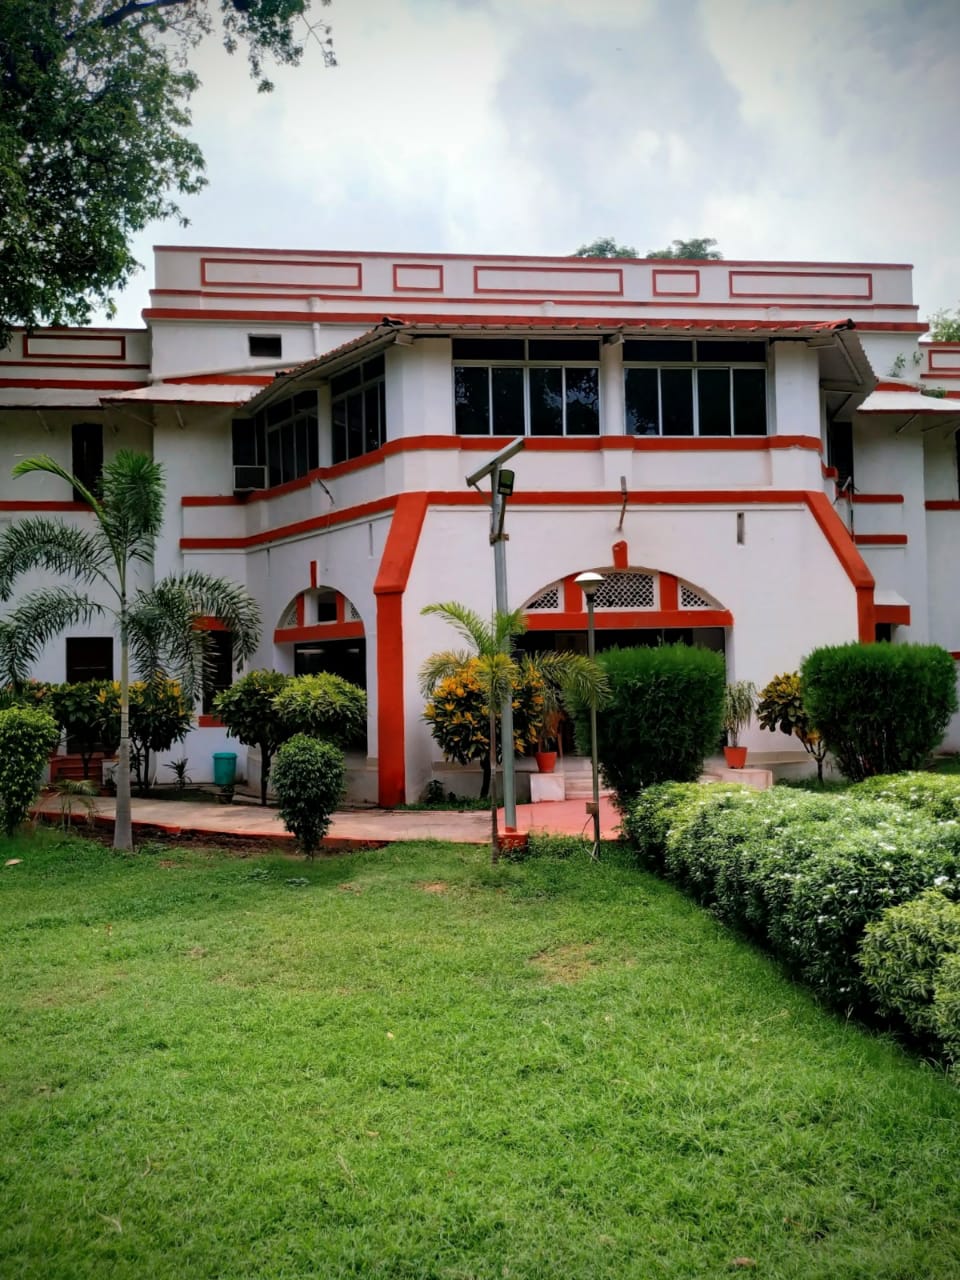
(549, 599)
(625, 591)
(354, 614)
(690, 599)
(289, 616)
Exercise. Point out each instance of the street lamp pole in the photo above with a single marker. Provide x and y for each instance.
(588, 584)
(501, 487)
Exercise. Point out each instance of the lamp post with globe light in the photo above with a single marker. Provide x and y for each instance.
(588, 583)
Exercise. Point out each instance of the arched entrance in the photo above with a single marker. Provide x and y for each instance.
(321, 630)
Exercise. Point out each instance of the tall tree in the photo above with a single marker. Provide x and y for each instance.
(156, 625)
(606, 247)
(94, 108)
(699, 247)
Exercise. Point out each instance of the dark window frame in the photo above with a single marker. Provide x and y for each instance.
(693, 358)
(358, 410)
(86, 456)
(535, 367)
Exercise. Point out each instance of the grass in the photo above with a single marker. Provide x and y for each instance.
(410, 1064)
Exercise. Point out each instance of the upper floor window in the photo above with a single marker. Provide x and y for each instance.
(359, 409)
(265, 345)
(526, 386)
(87, 456)
(282, 439)
(695, 388)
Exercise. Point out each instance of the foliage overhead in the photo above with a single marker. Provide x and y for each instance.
(606, 247)
(698, 247)
(94, 112)
(945, 325)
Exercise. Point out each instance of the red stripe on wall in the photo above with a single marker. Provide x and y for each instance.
(618, 619)
(880, 539)
(391, 582)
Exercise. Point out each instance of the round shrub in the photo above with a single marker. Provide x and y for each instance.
(881, 708)
(902, 958)
(308, 781)
(324, 706)
(26, 739)
(663, 718)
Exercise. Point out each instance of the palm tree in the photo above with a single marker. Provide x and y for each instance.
(491, 647)
(156, 625)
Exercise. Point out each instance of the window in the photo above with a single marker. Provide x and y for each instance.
(265, 345)
(695, 388)
(282, 438)
(840, 452)
(87, 456)
(359, 409)
(219, 674)
(520, 386)
(89, 658)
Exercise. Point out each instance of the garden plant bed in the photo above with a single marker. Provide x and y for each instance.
(411, 1063)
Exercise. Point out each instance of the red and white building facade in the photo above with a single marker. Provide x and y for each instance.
(759, 457)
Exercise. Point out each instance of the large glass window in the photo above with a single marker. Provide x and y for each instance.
(695, 388)
(516, 386)
(359, 409)
(282, 439)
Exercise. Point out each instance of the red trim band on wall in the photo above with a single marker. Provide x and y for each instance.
(620, 619)
(391, 582)
(870, 499)
(897, 615)
(319, 631)
(880, 539)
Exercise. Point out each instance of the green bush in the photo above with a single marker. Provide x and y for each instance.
(160, 715)
(664, 716)
(936, 795)
(247, 709)
(903, 957)
(881, 708)
(804, 873)
(324, 706)
(79, 710)
(308, 780)
(26, 739)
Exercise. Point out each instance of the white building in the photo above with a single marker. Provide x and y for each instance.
(748, 451)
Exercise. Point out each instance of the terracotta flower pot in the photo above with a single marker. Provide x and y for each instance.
(546, 761)
(736, 757)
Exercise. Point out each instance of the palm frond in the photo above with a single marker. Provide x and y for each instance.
(49, 466)
(40, 543)
(133, 499)
(39, 616)
(440, 666)
(468, 623)
(164, 637)
(507, 625)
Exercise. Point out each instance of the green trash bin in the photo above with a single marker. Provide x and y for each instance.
(224, 768)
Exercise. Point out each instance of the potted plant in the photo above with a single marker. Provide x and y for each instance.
(738, 702)
(548, 735)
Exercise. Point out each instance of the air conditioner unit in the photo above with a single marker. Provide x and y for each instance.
(246, 479)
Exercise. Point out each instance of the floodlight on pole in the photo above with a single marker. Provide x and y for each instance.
(588, 583)
(501, 488)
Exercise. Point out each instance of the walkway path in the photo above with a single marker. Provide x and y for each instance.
(243, 821)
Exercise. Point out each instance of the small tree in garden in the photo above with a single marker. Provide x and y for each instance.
(308, 781)
(781, 709)
(26, 739)
(881, 708)
(323, 706)
(160, 715)
(247, 709)
(662, 718)
(78, 708)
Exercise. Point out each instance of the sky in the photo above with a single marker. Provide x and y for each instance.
(819, 130)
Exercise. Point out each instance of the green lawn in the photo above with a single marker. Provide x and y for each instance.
(410, 1064)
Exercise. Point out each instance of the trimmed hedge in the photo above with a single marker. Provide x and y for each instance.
(663, 718)
(803, 873)
(308, 780)
(26, 739)
(881, 708)
(324, 706)
(911, 965)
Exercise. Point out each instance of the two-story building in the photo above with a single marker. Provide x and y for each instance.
(758, 457)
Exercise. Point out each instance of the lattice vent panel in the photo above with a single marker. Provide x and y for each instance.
(289, 616)
(690, 599)
(353, 613)
(626, 591)
(549, 599)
